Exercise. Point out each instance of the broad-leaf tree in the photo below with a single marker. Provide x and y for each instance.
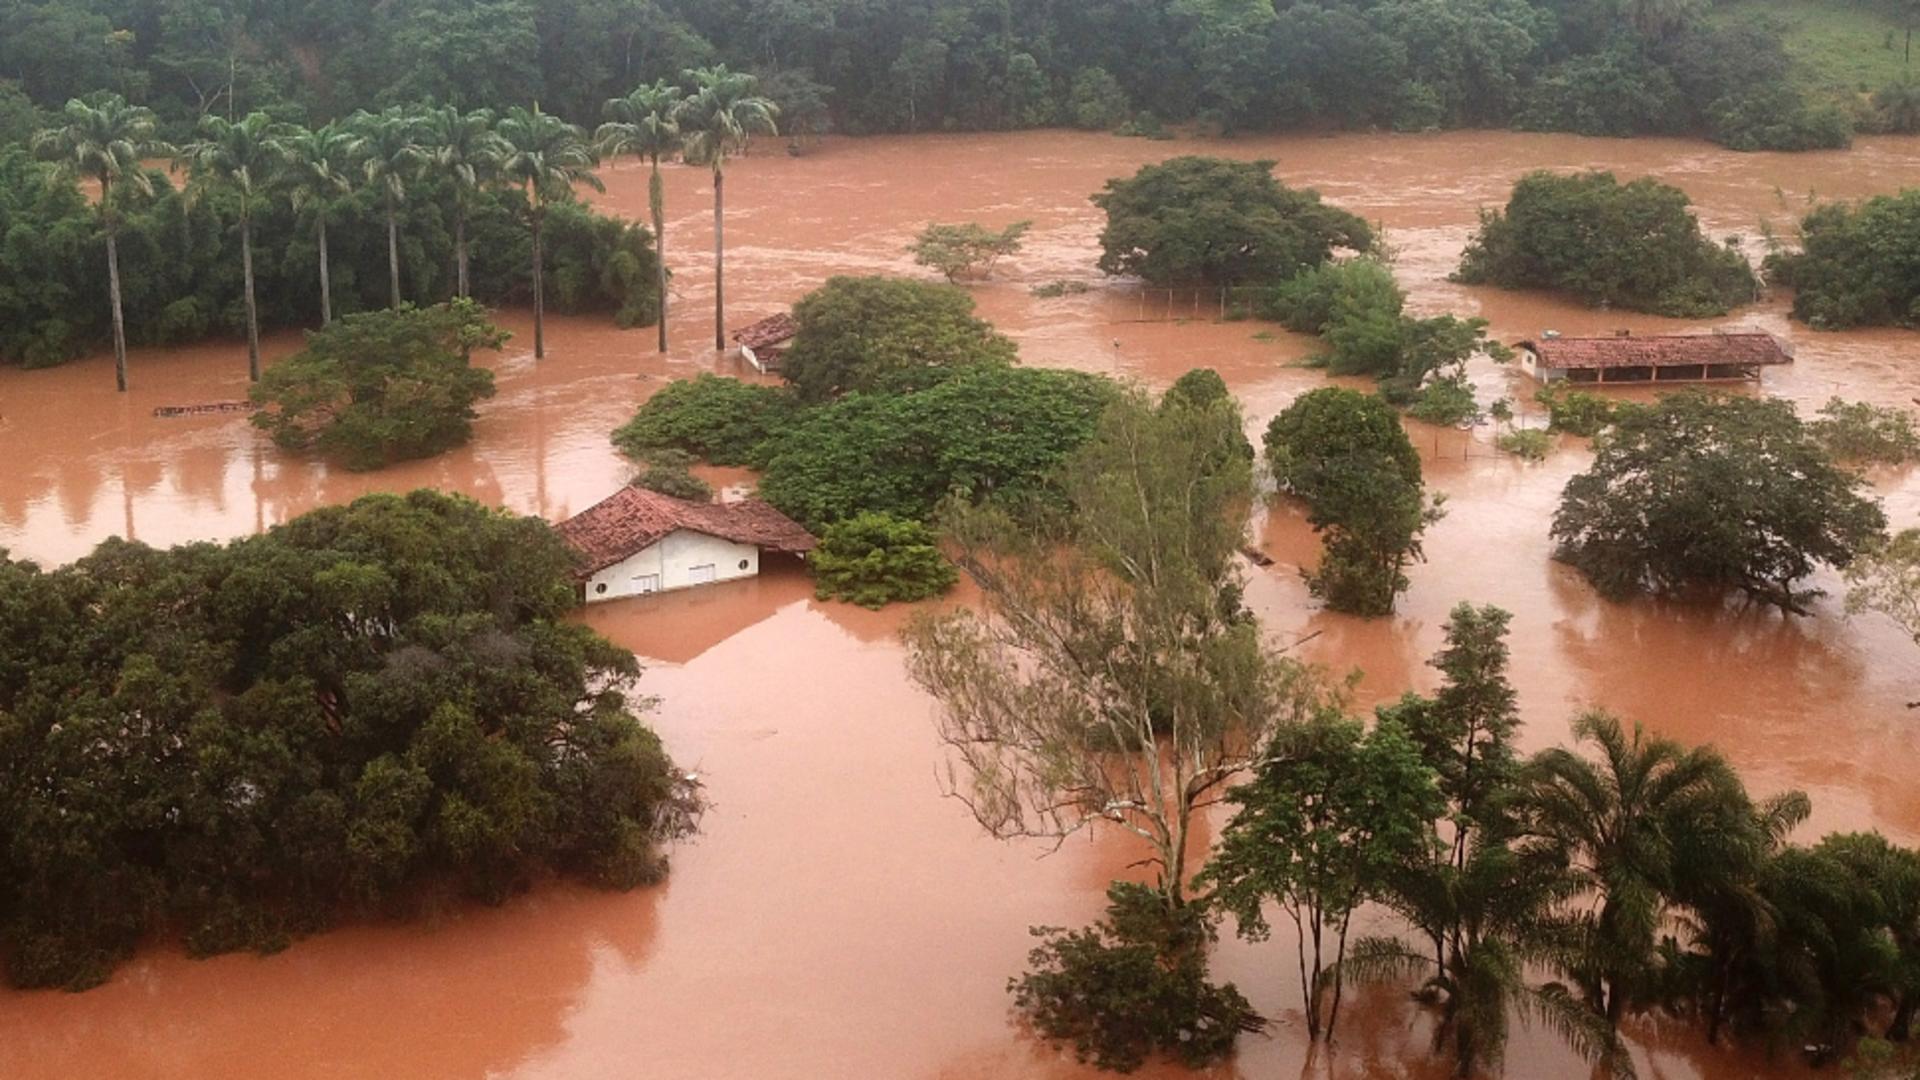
(544, 156)
(715, 122)
(103, 141)
(644, 124)
(855, 333)
(237, 156)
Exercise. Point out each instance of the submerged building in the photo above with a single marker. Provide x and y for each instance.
(638, 541)
(763, 344)
(1652, 358)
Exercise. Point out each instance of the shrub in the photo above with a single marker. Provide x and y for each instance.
(381, 387)
(1133, 984)
(1198, 220)
(1446, 402)
(1715, 493)
(669, 472)
(873, 560)
(1866, 434)
(1096, 102)
(725, 421)
(1618, 92)
(1859, 264)
(1530, 444)
(1777, 117)
(856, 333)
(1633, 245)
(1577, 412)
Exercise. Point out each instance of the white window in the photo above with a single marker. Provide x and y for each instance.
(646, 583)
(700, 575)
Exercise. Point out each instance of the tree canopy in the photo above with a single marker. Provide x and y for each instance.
(1856, 264)
(381, 387)
(1633, 245)
(368, 710)
(1715, 493)
(855, 333)
(1210, 221)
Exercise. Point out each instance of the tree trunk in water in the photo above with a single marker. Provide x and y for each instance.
(326, 279)
(460, 250)
(539, 297)
(657, 200)
(253, 310)
(719, 260)
(113, 294)
(393, 252)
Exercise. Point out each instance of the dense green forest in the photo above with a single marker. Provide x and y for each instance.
(1599, 66)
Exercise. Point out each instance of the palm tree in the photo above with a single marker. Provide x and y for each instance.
(1633, 825)
(104, 142)
(390, 156)
(1495, 914)
(642, 124)
(314, 171)
(462, 149)
(545, 156)
(719, 117)
(237, 156)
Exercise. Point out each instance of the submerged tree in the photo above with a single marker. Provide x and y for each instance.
(544, 156)
(1110, 675)
(104, 142)
(715, 122)
(237, 156)
(643, 124)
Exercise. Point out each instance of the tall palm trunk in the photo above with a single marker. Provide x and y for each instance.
(253, 310)
(326, 277)
(719, 258)
(539, 291)
(113, 286)
(657, 200)
(460, 247)
(393, 250)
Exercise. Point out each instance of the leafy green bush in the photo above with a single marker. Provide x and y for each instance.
(1577, 412)
(725, 421)
(874, 560)
(1634, 245)
(1865, 433)
(1531, 444)
(381, 387)
(1447, 402)
(1096, 101)
(1200, 220)
(370, 709)
(1133, 984)
(968, 250)
(1323, 296)
(1858, 265)
(1620, 92)
(1777, 117)
(856, 333)
(986, 431)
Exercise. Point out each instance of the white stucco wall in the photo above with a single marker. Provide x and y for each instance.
(671, 564)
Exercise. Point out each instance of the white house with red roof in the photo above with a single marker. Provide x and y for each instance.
(638, 541)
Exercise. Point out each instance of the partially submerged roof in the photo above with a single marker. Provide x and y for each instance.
(769, 331)
(1745, 349)
(633, 519)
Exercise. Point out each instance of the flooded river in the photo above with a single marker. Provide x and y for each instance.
(837, 918)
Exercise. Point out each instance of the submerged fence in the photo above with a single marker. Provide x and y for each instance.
(1151, 304)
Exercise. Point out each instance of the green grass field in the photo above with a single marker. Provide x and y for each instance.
(1842, 45)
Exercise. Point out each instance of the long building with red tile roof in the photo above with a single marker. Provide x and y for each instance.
(1660, 358)
(638, 541)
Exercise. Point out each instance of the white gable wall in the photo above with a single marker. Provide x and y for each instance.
(676, 561)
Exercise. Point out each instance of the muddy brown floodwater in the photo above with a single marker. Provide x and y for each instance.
(837, 917)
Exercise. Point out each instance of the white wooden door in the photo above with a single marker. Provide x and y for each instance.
(700, 575)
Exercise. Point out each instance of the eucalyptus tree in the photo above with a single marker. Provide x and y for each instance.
(316, 169)
(390, 156)
(643, 124)
(716, 121)
(237, 156)
(463, 150)
(544, 156)
(103, 141)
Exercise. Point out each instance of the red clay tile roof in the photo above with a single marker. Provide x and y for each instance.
(1659, 350)
(771, 330)
(632, 519)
